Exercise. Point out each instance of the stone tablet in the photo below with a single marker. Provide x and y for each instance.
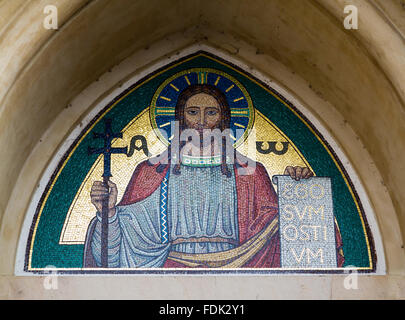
(307, 231)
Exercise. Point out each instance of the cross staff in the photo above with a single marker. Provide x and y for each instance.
(106, 151)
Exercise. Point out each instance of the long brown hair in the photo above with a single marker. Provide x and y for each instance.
(225, 117)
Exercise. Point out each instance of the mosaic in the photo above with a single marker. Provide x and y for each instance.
(200, 168)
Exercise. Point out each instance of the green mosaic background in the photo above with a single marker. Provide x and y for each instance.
(46, 249)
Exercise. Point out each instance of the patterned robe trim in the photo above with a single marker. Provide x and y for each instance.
(163, 208)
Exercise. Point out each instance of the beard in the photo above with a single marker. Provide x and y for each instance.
(209, 141)
(205, 136)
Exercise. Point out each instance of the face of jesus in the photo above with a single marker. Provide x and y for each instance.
(202, 111)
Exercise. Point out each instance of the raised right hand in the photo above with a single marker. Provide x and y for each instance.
(99, 192)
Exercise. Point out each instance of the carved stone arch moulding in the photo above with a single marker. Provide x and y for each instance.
(269, 193)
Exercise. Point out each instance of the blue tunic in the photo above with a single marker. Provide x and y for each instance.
(201, 203)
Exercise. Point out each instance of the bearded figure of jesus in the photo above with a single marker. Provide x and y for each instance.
(204, 205)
